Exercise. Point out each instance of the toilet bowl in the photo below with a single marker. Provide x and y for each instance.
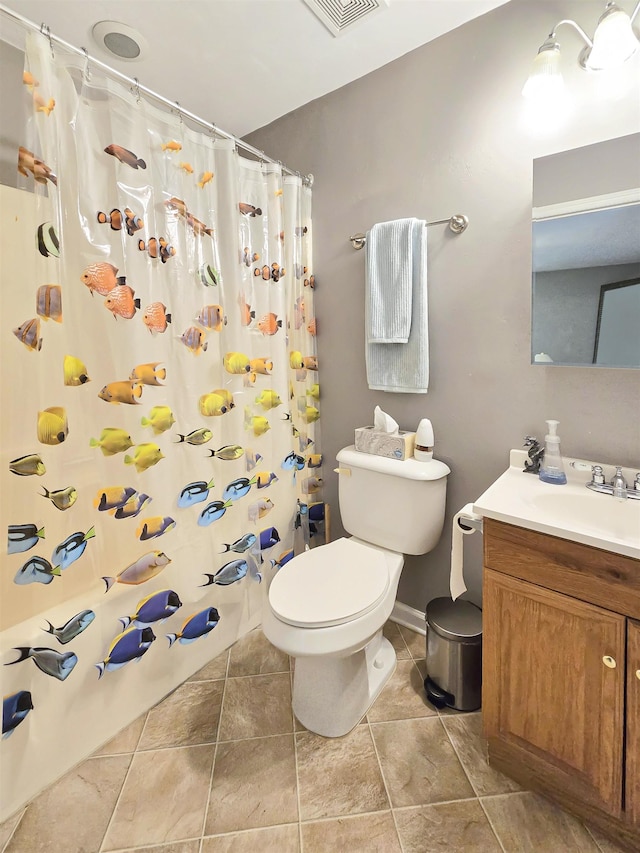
(327, 606)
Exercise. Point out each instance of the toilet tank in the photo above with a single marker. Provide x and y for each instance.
(398, 505)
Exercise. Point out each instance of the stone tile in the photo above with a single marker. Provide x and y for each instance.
(125, 741)
(7, 827)
(79, 806)
(276, 839)
(257, 706)
(604, 844)
(460, 827)
(187, 717)
(392, 632)
(163, 799)
(525, 822)
(192, 846)
(216, 668)
(254, 785)
(372, 833)
(465, 731)
(418, 762)
(338, 776)
(416, 642)
(402, 697)
(254, 655)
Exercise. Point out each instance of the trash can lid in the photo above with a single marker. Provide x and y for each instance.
(454, 620)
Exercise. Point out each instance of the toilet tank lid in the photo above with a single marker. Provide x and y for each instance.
(412, 469)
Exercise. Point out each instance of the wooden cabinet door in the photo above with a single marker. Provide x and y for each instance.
(632, 787)
(552, 706)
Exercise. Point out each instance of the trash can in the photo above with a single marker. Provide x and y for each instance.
(454, 654)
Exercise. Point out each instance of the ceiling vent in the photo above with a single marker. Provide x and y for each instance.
(339, 15)
(120, 40)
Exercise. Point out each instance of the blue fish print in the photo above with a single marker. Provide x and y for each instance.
(237, 489)
(128, 646)
(196, 626)
(157, 606)
(72, 548)
(268, 538)
(283, 559)
(14, 709)
(293, 462)
(241, 545)
(70, 630)
(22, 537)
(56, 664)
(230, 573)
(194, 493)
(316, 512)
(132, 507)
(212, 512)
(36, 570)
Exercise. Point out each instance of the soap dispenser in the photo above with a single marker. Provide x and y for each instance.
(551, 468)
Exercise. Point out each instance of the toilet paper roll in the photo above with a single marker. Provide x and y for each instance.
(456, 581)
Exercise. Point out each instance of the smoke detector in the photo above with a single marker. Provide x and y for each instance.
(339, 15)
(120, 40)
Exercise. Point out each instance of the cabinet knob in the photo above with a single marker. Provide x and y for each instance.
(607, 660)
(638, 674)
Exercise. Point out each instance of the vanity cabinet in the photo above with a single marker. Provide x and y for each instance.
(561, 687)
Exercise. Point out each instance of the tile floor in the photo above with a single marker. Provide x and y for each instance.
(221, 766)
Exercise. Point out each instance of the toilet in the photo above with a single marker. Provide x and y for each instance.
(327, 606)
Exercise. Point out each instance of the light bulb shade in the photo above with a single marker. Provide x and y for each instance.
(545, 80)
(614, 40)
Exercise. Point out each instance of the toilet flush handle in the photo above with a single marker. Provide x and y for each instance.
(346, 472)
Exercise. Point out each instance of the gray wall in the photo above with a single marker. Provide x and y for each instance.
(437, 132)
(11, 65)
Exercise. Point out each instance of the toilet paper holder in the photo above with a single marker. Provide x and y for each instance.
(468, 523)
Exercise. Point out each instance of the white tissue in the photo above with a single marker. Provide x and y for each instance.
(456, 581)
(384, 422)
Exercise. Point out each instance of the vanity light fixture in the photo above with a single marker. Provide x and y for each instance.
(614, 41)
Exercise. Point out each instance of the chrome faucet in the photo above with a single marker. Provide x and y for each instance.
(617, 487)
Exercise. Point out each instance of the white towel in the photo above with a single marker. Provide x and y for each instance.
(389, 275)
(404, 368)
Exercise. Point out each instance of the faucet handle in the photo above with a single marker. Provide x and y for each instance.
(619, 484)
(597, 475)
(636, 482)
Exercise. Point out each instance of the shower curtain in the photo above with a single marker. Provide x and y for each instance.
(160, 401)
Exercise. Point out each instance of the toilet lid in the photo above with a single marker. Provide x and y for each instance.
(330, 585)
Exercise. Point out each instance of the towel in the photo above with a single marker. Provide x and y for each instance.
(389, 268)
(404, 367)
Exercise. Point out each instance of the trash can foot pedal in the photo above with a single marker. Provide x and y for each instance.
(436, 695)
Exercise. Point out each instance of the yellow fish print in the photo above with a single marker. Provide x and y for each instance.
(213, 405)
(26, 466)
(29, 334)
(144, 457)
(122, 392)
(236, 362)
(112, 440)
(74, 371)
(268, 399)
(257, 423)
(314, 391)
(295, 360)
(62, 499)
(309, 414)
(212, 317)
(49, 302)
(151, 528)
(113, 497)
(148, 374)
(52, 425)
(160, 419)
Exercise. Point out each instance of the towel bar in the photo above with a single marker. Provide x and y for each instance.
(457, 223)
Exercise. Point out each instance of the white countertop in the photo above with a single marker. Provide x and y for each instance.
(570, 511)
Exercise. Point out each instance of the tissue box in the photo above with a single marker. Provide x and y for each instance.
(370, 440)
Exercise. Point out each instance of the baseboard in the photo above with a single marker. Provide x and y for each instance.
(409, 617)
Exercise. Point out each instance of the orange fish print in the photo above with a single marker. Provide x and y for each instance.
(261, 365)
(43, 106)
(275, 272)
(149, 374)
(132, 222)
(194, 340)
(311, 327)
(187, 167)
(310, 282)
(247, 258)
(125, 156)
(29, 80)
(157, 248)
(121, 303)
(212, 317)
(246, 314)
(204, 179)
(122, 392)
(278, 193)
(298, 313)
(155, 318)
(249, 210)
(114, 219)
(180, 207)
(28, 162)
(29, 334)
(49, 302)
(301, 231)
(171, 146)
(102, 277)
(310, 362)
(269, 324)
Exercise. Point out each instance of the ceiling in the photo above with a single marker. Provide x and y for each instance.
(243, 63)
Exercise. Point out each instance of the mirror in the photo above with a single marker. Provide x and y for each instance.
(586, 256)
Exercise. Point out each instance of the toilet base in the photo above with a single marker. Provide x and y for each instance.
(332, 694)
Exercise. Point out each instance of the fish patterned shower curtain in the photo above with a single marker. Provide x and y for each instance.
(160, 401)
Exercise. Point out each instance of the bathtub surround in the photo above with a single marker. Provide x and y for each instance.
(449, 132)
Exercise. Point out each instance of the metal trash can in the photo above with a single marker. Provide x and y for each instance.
(454, 654)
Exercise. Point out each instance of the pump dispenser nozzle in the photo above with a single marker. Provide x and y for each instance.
(551, 468)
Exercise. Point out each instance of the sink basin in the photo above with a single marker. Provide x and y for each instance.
(570, 512)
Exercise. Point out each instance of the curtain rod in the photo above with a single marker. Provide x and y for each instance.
(138, 87)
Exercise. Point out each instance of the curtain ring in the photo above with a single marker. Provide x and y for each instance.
(136, 91)
(46, 31)
(179, 112)
(213, 131)
(86, 73)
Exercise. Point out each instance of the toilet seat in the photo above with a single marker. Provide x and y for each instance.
(330, 585)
